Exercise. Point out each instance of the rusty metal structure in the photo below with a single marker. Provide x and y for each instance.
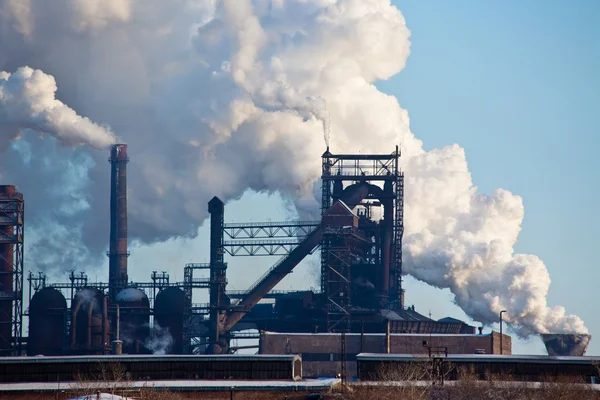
(361, 257)
(89, 322)
(12, 209)
(117, 253)
(134, 321)
(357, 179)
(359, 237)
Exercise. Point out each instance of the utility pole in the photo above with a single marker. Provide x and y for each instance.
(343, 354)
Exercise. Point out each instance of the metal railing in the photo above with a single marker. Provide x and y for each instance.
(286, 224)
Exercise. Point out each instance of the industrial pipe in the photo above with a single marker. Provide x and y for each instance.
(117, 347)
(117, 254)
(388, 338)
(386, 250)
(89, 333)
(105, 323)
(118, 321)
(218, 273)
(74, 324)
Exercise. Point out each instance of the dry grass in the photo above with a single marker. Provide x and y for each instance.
(421, 381)
(109, 378)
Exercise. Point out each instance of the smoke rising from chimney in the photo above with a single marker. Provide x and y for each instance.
(219, 97)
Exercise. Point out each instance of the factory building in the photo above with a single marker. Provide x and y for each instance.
(320, 352)
(360, 298)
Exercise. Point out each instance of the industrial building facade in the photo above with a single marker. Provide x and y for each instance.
(320, 352)
(359, 237)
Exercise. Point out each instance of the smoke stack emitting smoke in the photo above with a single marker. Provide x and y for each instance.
(243, 103)
(27, 101)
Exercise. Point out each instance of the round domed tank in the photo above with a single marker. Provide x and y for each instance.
(89, 323)
(47, 323)
(169, 309)
(134, 325)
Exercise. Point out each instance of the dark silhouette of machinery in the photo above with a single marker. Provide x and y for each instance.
(47, 322)
(361, 266)
(359, 236)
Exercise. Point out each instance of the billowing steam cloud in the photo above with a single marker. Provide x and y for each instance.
(217, 97)
(161, 341)
(27, 101)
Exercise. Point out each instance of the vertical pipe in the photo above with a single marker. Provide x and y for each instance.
(387, 232)
(216, 208)
(118, 219)
(30, 286)
(74, 325)
(105, 323)
(362, 335)
(388, 344)
(118, 321)
(89, 326)
(325, 205)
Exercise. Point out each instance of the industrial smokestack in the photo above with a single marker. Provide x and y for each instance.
(216, 208)
(117, 254)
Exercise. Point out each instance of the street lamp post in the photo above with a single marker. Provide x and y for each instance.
(501, 348)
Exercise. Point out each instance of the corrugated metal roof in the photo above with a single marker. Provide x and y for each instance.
(482, 358)
(403, 315)
(149, 357)
(182, 385)
(434, 335)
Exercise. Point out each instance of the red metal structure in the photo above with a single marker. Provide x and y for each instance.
(361, 267)
(89, 322)
(117, 254)
(356, 179)
(11, 269)
(134, 320)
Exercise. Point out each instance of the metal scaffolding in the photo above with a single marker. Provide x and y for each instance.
(265, 238)
(397, 295)
(12, 214)
(367, 173)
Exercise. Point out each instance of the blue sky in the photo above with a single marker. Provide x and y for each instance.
(515, 84)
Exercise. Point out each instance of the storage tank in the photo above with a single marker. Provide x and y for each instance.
(47, 323)
(134, 327)
(89, 323)
(566, 344)
(169, 311)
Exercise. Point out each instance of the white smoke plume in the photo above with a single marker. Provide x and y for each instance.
(161, 341)
(27, 101)
(217, 97)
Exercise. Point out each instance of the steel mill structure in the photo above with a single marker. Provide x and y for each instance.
(12, 209)
(359, 237)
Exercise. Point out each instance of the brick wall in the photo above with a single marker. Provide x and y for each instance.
(321, 352)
